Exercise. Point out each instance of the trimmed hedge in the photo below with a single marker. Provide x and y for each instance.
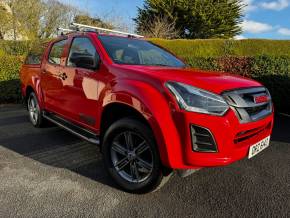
(9, 77)
(220, 47)
(12, 55)
(267, 61)
(15, 47)
(9, 66)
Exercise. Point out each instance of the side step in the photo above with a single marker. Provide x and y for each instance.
(72, 128)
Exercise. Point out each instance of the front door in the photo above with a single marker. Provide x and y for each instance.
(83, 81)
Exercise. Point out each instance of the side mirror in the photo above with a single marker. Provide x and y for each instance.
(86, 61)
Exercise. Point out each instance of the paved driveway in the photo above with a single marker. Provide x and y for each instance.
(50, 173)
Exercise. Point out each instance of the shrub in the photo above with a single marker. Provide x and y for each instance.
(12, 54)
(15, 47)
(9, 66)
(9, 78)
(219, 47)
(238, 65)
(20, 47)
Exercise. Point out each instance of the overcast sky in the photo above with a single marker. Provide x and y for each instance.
(263, 18)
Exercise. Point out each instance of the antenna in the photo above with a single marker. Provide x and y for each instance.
(77, 25)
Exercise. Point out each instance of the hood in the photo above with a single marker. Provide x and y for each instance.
(216, 82)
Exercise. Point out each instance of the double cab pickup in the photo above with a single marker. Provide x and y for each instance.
(149, 112)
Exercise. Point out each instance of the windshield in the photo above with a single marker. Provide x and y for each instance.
(138, 52)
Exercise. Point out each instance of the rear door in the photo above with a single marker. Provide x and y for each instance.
(52, 80)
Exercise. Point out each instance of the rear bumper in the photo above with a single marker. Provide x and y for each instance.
(233, 139)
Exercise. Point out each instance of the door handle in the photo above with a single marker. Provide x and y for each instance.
(62, 75)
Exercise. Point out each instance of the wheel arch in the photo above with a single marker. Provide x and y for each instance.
(117, 110)
(34, 86)
(28, 90)
(121, 110)
(154, 108)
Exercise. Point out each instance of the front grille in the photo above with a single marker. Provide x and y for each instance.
(245, 135)
(252, 111)
(242, 101)
(202, 139)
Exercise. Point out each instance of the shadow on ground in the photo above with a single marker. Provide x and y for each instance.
(50, 145)
(258, 187)
(56, 147)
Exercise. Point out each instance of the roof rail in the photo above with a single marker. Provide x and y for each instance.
(64, 30)
(79, 26)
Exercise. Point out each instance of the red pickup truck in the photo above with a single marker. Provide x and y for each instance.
(150, 113)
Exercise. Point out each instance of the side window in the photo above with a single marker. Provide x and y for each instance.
(35, 54)
(56, 52)
(33, 59)
(83, 54)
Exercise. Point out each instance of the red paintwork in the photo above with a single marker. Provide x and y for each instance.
(142, 88)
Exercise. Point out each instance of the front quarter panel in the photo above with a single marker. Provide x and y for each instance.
(151, 102)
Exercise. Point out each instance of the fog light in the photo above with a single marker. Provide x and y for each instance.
(202, 139)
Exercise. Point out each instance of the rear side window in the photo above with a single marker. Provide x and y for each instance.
(56, 52)
(33, 59)
(35, 54)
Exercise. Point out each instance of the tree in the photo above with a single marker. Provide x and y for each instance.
(87, 20)
(9, 21)
(55, 14)
(160, 27)
(195, 18)
(34, 19)
(27, 13)
(5, 21)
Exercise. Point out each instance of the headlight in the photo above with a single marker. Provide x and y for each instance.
(197, 100)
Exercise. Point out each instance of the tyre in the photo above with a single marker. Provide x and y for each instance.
(131, 156)
(35, 113)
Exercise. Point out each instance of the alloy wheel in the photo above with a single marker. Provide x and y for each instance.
(33, 110)
(132, 157)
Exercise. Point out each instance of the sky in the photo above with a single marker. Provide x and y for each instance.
(262, 18)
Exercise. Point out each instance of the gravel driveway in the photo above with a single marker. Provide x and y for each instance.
(51, 173)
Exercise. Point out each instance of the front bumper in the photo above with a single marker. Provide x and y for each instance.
(233, 138)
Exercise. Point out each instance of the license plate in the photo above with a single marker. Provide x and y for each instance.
(258, 147)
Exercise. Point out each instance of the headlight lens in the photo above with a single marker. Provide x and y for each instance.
(197, 100)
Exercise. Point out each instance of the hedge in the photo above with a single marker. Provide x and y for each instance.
(9, 77)
(264, 60)
(189, 48)
(220, 47)
(12, 55)
(15, 47)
